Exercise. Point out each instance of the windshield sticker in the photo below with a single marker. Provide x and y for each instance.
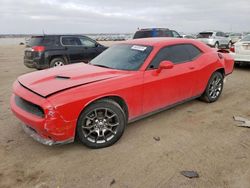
(140, 48)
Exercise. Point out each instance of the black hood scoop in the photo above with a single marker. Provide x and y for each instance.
(62, 77)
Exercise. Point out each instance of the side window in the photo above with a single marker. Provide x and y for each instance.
(176, 54)
(160, 33)
(175, 34)
(168, 33)
(163, 54)
(87, 42)
(219, 34)
(193, 51)
(179, 54)
(48, 41)
(71, 41)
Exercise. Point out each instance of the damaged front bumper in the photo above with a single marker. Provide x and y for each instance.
(33, 134)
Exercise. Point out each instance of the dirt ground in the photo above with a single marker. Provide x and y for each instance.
(193, 136)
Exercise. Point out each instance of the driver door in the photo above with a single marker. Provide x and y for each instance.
(170, 86)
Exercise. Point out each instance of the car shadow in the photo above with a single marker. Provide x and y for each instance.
(244, 66)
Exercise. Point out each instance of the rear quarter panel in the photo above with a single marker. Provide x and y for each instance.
(208, 63)
(228, 63)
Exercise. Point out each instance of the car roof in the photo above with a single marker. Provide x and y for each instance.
(149, 29)
(159, 41)
(210, 31)
(53, 35)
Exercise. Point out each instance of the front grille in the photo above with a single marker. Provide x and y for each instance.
(29, 107)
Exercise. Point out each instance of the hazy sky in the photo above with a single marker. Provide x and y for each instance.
(109, 16)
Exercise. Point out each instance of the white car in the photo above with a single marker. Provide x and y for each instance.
(215, 39)
(241, 50)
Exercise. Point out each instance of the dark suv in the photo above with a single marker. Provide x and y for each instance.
(57, 50)
(156, 32)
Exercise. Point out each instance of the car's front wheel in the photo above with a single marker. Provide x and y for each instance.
(101, 124)
(214, 88)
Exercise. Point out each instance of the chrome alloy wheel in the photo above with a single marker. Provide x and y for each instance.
(215, 87)
(58, 63)
(100, 125)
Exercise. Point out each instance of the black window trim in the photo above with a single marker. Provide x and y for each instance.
(68, 45)
(77, 36)
(179, 36)
(90, 39)
(193, 59)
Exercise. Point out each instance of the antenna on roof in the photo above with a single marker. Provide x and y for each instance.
(43, 32)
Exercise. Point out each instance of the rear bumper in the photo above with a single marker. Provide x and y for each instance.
(240, 57)
(209, 42)
(35, 63)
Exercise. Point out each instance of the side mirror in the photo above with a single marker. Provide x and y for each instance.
(165, 65)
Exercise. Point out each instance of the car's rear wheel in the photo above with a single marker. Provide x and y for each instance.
(217, 45)
(214, 88)
(57, 62)
(230, 44)
(101, 124)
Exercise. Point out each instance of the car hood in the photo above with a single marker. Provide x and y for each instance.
(50, 81)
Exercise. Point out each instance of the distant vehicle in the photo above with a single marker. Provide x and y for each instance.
(245, 33)
(188, 36)
(235, 37)
(215, 39)
(57, 50)
(156, 32)
(241, 50)
(128, 81)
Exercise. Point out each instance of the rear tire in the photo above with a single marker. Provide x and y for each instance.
(230, 44)
(214, 88)
(57, 62)
(217, 45)
(101, 124)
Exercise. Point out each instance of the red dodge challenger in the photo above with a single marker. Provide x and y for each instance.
(128, 81)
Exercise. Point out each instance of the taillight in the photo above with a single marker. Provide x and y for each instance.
(232, 49)
(38, 48)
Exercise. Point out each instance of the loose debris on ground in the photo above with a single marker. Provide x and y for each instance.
(112, 182)
(190, 174)
(157, 138)
(244, 122)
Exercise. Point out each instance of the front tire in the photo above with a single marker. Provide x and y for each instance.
(214, 88)
(101, 124)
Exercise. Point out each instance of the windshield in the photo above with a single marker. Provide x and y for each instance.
(41, 40)
(34, 41)
(205, 35)
(153, 33)
(246, 38)
(123, 57)
(142, 34)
